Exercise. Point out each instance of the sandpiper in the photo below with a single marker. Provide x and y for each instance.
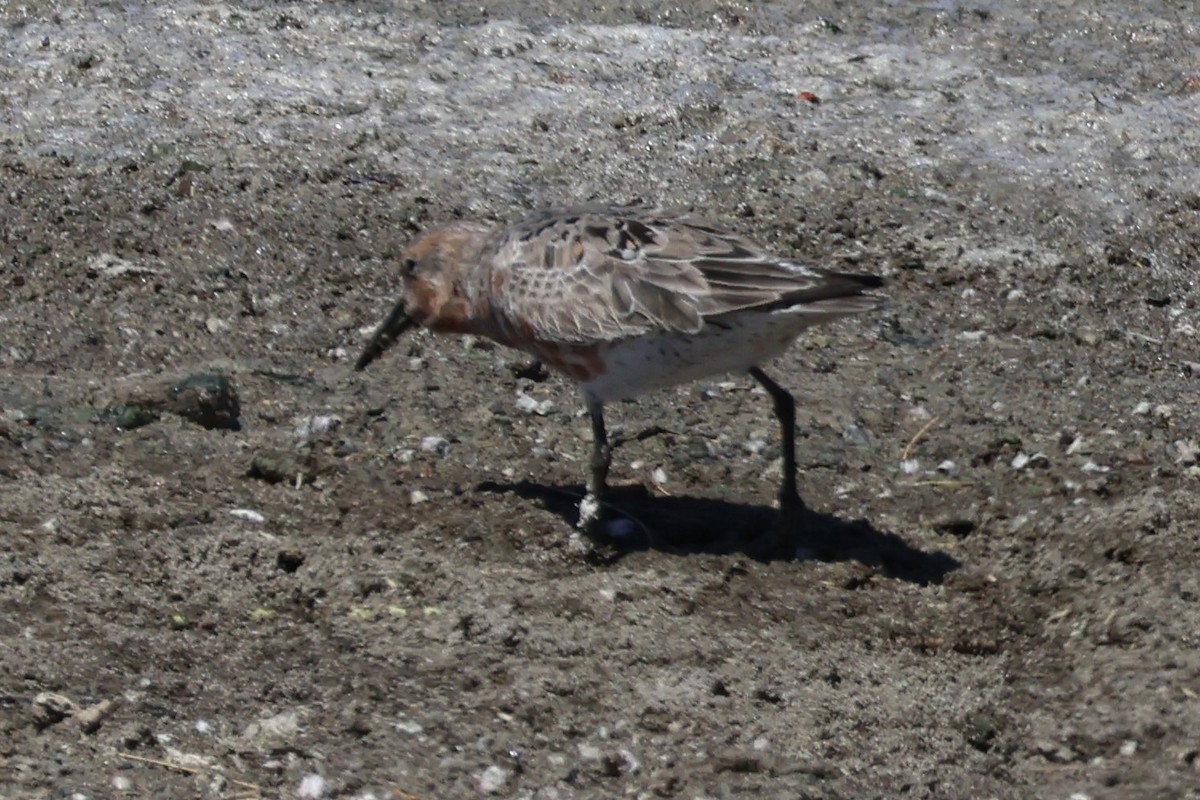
(622, 300)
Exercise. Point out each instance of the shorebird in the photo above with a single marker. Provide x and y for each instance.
(622, 300)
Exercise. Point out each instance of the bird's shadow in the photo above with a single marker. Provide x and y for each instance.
(687, 525)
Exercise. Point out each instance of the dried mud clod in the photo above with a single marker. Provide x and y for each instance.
(209, 399)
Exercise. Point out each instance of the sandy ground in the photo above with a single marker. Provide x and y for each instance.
(232, 567)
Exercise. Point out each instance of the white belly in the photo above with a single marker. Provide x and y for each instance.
(733, 343)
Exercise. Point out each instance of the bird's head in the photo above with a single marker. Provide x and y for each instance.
(434, 279)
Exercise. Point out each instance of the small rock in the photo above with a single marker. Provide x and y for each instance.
(93, 716)
(312, 787)
(435, 444)
(50, 708)
(590, 752)
(208, 399)
(416, 497)
(289, 560)
(248, 515)
(278, 466)
(1025, 461)
(947, 467)
(493, 779)
(1053, 752)
(316, 425)
(910, 466)
(107, 265)
(273, 732)
(620, 529)
(628, 762)
(127, 417)
(856, 435)
(1142, 408)
(409, 727)
(982, 731)
(920, 412)
(530, 405)
(1128, 747)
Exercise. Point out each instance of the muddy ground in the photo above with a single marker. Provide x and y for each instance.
(366, 584)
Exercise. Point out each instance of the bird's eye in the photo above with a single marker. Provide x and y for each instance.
(409, 266)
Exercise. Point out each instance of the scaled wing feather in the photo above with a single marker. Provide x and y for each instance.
(579, 275)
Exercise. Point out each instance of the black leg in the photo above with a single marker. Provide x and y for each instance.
(785, 412)
(601, 453)
(589, 508)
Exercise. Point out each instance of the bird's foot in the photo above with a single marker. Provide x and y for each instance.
(589, 513)
(790, 504)
(785, 536)
(602, 521)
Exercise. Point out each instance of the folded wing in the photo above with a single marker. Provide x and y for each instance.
(587, 274)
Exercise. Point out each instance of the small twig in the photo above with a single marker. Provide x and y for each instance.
(165, 764)
(943, 484)
(249, 787)
(641, 436)
(917, 438)
(184, 768)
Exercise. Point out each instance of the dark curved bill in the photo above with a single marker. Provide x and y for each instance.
(396, 323)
